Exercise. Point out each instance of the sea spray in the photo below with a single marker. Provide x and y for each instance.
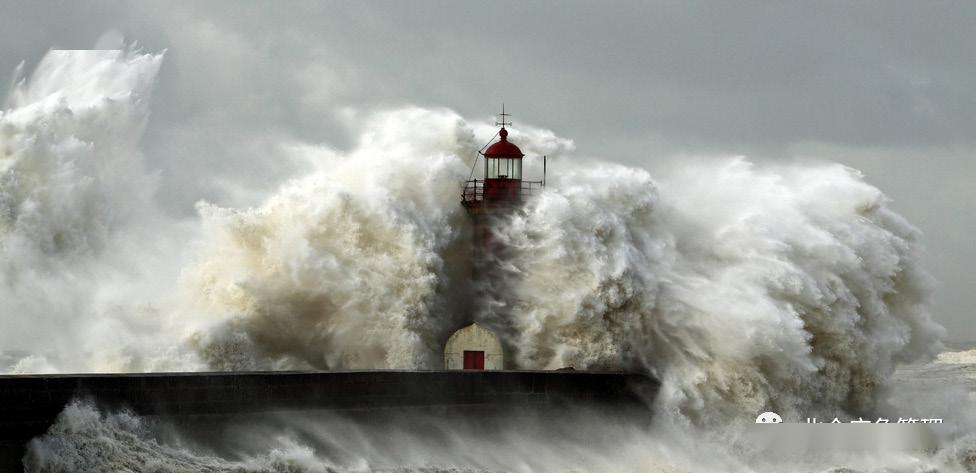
(83, 250)
(363, 263)
(744, 287)
(347, 267)
(85, 438)
(71, 169)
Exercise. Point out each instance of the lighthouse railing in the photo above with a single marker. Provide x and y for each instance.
(474, 190)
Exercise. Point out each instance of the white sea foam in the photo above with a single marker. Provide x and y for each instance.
(84, 255)
(964, 357)
(744, 288)
(792, 289)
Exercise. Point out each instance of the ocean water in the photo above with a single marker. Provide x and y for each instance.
(954, 368)
(744, 288)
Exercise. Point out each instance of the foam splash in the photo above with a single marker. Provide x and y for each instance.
(71, 169)
(86, 439)
(347, 267)
(82, 247)
(745, 288)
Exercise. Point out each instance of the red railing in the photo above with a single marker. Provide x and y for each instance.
(499, 190)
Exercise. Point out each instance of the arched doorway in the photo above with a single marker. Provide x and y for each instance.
(473, 348)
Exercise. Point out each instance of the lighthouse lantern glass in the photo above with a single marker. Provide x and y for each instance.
(504, 168)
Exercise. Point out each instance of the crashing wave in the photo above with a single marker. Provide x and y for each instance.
(743, 287)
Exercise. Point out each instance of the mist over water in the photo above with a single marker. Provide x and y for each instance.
(744, 288)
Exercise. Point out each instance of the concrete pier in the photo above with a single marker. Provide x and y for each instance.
(29, 404)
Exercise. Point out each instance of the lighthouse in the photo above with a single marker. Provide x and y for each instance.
(500, 192)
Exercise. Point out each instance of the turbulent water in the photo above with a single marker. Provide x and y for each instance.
(86, 439)
(743, 287)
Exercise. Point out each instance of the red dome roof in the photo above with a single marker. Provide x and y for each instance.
(503, 148)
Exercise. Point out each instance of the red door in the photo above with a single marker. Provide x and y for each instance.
(474, 360)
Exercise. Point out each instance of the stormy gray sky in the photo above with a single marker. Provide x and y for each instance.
(885, 87)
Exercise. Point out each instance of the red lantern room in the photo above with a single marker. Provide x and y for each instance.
(502, 187)
(503, 170)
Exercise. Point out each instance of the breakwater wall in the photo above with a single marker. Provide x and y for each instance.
(29, 404)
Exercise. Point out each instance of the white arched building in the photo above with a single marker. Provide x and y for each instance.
(473, 348)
